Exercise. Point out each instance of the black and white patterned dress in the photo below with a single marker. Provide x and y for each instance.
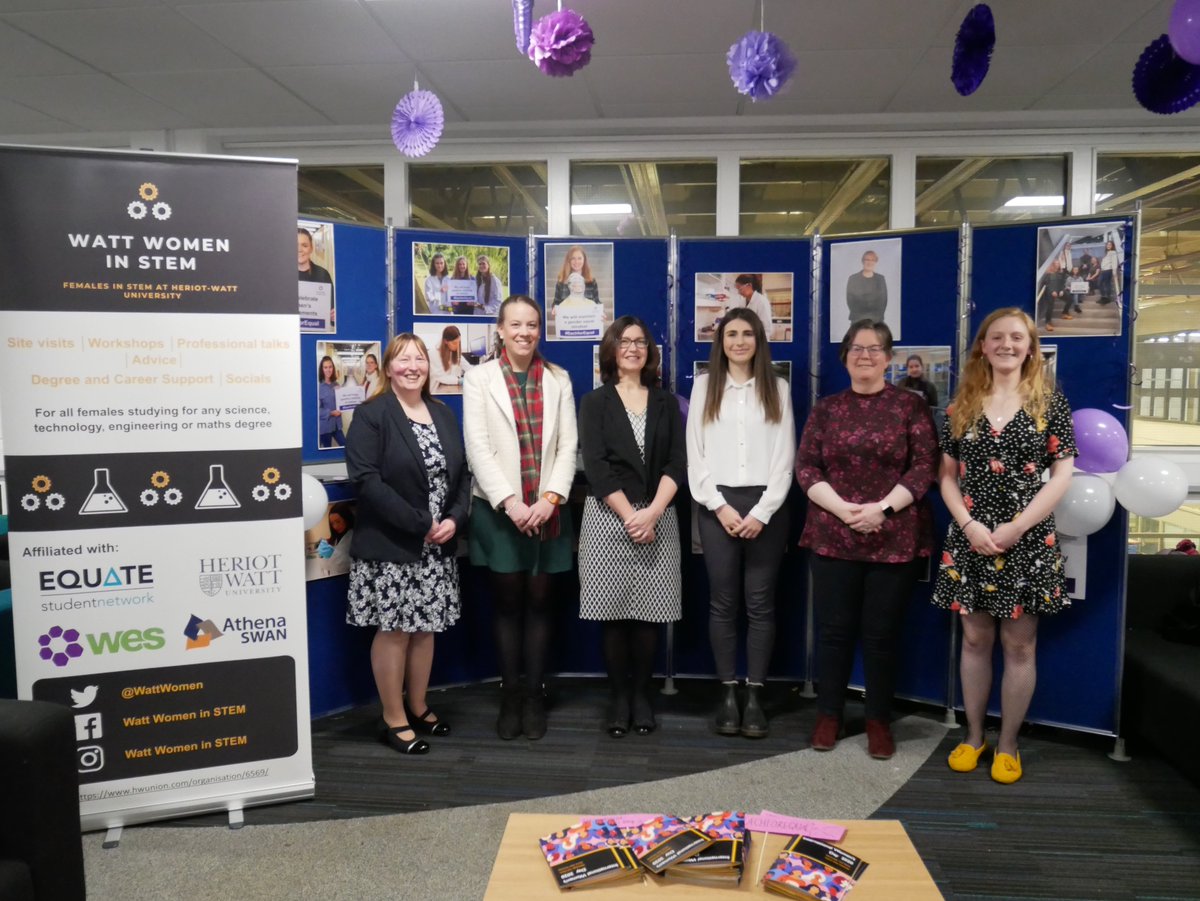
(411, 597)
(622, 580)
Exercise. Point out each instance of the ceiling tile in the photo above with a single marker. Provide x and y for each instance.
(22, 54)
(499, 90)
(20, 119)
(296, 32)
(229, 98)
(128, 40)
(353, 95)
(92, 102)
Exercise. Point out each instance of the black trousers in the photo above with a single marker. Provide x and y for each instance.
(741, 570)
(853, 598)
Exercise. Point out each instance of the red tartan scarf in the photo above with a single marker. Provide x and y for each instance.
(527, 410)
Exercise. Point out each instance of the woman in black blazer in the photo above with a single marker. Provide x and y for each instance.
(633, 454)
(405, 455)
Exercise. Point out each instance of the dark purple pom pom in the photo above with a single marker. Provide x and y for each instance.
(1164, 82)
(973, 50)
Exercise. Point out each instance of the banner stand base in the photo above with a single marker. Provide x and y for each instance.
(112, 838)
(236, 819)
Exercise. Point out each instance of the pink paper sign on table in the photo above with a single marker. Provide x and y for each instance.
(629, 820)
(781, 824)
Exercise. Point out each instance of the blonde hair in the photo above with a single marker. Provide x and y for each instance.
(976, 382)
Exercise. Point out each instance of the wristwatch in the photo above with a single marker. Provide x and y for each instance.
(887, 510)
(553, 498)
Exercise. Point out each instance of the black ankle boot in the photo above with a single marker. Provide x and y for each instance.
(508, 726)
(754, 718)
(729, 717)
(533, 714)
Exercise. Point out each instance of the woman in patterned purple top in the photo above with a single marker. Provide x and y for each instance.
(866, 459)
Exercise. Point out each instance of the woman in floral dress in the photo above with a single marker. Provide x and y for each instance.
(1001, 562)
(406, 458)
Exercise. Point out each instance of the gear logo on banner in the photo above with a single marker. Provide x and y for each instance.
(148, 192)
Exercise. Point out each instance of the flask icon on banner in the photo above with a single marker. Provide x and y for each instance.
(102, 498)
(217, 495)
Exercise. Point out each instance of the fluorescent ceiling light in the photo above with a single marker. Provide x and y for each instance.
(601, 209)
(1051, 200)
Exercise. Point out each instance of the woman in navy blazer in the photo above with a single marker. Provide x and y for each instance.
(635, 460)
(405, 455)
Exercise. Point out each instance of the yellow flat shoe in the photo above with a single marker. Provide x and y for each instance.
(965, 758)
(1006, 769)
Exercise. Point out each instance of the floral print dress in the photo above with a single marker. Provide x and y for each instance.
(999, 472)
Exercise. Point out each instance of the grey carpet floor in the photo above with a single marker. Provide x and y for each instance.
(448, 853)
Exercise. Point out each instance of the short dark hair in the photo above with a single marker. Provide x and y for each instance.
(916, 357)
(882, 332)
(610, 343)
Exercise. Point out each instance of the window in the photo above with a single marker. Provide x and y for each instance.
(801, 197)
(644, 198)
(505, 198)
(979, 189)
(342, 193)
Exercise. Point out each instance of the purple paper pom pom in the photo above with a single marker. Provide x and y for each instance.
(760, 64)
(522, 22)
(417, 123)
(1164, 82)
(973, 50)
(561, 43)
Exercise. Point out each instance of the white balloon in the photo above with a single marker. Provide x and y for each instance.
(316, 500)
(1086, 506)
(1151, 486)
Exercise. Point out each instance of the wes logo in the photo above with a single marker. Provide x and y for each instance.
(60, 646)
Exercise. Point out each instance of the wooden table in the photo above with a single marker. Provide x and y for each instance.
(895, 872)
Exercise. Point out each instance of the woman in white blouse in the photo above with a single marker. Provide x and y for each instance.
(741, 440)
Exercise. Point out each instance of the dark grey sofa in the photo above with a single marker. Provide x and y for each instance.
(1161, 694)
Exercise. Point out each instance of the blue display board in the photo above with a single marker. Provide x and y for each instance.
(706, 268)
(1080, 649)
(360, 280)
(922, 272)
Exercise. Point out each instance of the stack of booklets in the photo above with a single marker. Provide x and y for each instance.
(591, 852)
(807, 868)
(666, 840)
(722, 861)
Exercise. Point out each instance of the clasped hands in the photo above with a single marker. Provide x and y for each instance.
(863, 518)
(640, 526)
(991, 543)
(441, 532)
(529, 518)
(738, 526)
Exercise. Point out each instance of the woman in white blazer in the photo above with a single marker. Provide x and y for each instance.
(519, 424)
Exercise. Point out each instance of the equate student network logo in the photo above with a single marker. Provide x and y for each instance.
(60, 646)
(201, 632)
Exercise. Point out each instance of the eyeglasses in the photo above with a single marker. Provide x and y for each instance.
(637, 343)
(875, 350)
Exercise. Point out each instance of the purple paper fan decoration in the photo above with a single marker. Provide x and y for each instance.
(522, 22)
(417, 123)
(1164, 82)
(760, 64)
(561, 43)
(973, 50)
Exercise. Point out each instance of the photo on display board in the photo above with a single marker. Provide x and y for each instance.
(453, 349)
(459, 279)
(347, 374)
(315, 253)
(769, 294)
(1050, 364)
(327, 544)
(783, 369)
(580, 303)
(864, 283)
(924, 370)
(597, 378)
(1079, 291)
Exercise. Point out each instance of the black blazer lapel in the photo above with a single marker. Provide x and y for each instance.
(398, 424)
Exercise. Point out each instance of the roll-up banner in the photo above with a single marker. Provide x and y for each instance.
(151, 420)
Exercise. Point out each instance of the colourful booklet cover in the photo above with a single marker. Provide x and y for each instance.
(808, 868)
(727, 829)
(665, 840)
(589, 852)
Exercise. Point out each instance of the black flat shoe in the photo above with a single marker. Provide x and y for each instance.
(643, 715)
(618, 716)
(729, 716)
(392, 737)
(425, 725)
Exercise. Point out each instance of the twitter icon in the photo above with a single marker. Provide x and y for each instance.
(85, 697)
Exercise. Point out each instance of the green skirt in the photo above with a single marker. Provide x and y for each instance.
(496, 543)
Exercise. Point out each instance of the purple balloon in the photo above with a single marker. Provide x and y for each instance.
(1101, 439)
(1184, 30)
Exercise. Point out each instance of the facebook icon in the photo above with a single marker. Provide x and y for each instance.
(88, 727)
